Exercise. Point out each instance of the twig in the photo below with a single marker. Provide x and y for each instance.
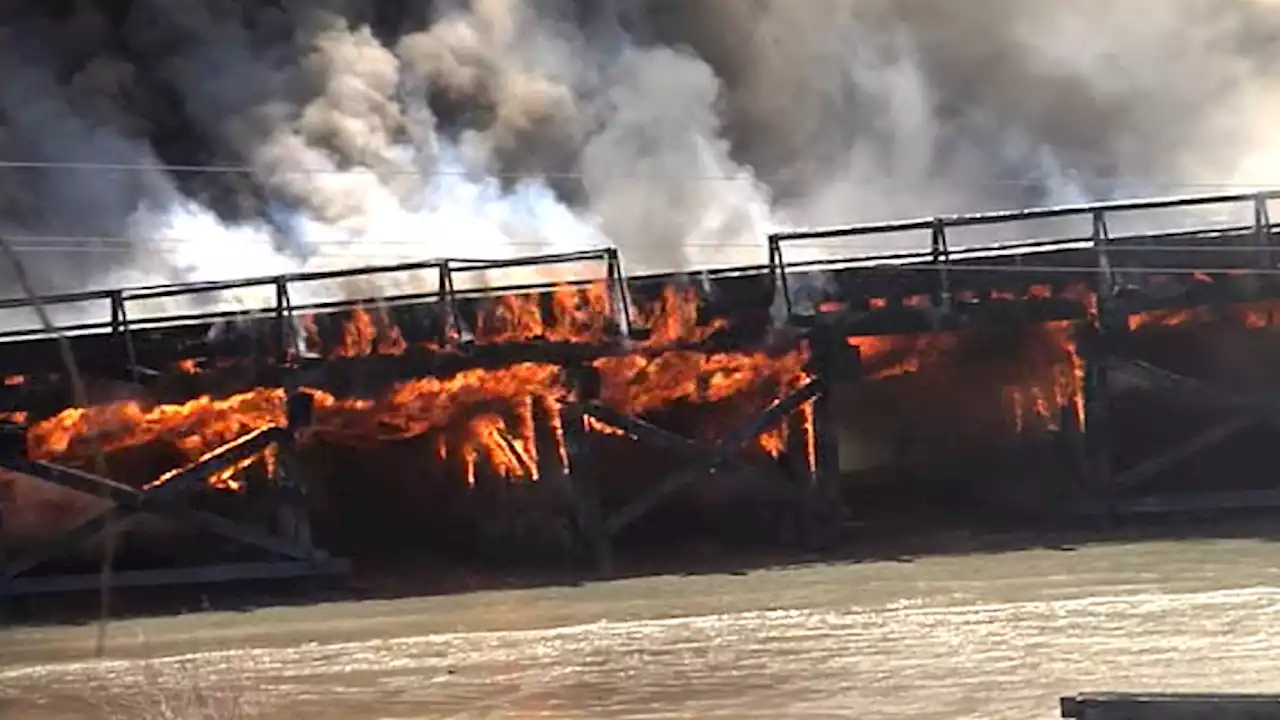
(81, 398)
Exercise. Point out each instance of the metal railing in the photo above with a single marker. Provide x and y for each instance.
(121, 311)
(940, 255)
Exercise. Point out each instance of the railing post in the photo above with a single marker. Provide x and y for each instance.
(455, 328)
(1097, 350)
(1106, 274)
(778, 268)
(284, 320)
(621, 303)
(941, 257)
(1262, 229)
(120, 323)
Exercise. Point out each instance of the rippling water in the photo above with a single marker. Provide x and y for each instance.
(994, 636)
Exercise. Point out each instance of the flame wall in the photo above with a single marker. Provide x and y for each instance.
(944, 422)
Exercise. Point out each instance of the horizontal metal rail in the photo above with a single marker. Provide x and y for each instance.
(280, 293)
(1002, 217)
(941, 257)
(118, 308)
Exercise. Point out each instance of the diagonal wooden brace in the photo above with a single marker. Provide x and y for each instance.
(162, 500)
(720, 455)
(663, 439)
(1254, 411)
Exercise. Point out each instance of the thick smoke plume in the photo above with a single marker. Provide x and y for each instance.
(678, 130)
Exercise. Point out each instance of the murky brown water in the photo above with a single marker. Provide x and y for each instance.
(996, 636)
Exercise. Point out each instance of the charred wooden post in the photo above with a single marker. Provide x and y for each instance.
(294, 520)
(1097, 343)
(833, 360)
(555, 486)
(495, 521)
(1071, 438)
(801, 521)
(1098, 429)
(590, 532)
(553, 467)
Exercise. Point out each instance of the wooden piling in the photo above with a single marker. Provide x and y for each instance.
(836, 362)
(554, 489)
(591, 537)
(293, 514)
(1097, 428)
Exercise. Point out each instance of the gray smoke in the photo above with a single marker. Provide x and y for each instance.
(678, 130)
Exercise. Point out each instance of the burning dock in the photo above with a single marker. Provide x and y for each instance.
(473, 412)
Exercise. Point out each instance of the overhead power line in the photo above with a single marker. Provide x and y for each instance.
(743, 176)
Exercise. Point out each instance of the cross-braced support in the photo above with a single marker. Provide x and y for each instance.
(288, 548)
(813, 493)
(1248, 412)
(718, 457)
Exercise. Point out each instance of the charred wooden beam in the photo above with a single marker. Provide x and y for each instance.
(163, 500)
(1153, 466)
(663, 439)
(1191, 390)
(647, 432)
(1252, 411)
(732, 444)
(199, 575)
(1184, 504)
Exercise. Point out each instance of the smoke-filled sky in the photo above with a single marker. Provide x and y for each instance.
(679, 130)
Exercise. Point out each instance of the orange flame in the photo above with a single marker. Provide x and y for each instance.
(489, 413)
(485, 417)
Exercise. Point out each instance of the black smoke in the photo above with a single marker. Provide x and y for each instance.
(678, 128)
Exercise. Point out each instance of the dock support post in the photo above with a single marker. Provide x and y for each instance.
(1097, 346)
(833, 360)
(1097, 424)
(591, 535)
(554, 485)
(294, 519)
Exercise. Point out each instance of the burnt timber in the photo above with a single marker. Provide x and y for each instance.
(1073, 263)
(281, 550)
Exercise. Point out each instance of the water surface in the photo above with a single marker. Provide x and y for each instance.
(984, 636)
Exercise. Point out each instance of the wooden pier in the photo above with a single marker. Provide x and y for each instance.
(1092, 266)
